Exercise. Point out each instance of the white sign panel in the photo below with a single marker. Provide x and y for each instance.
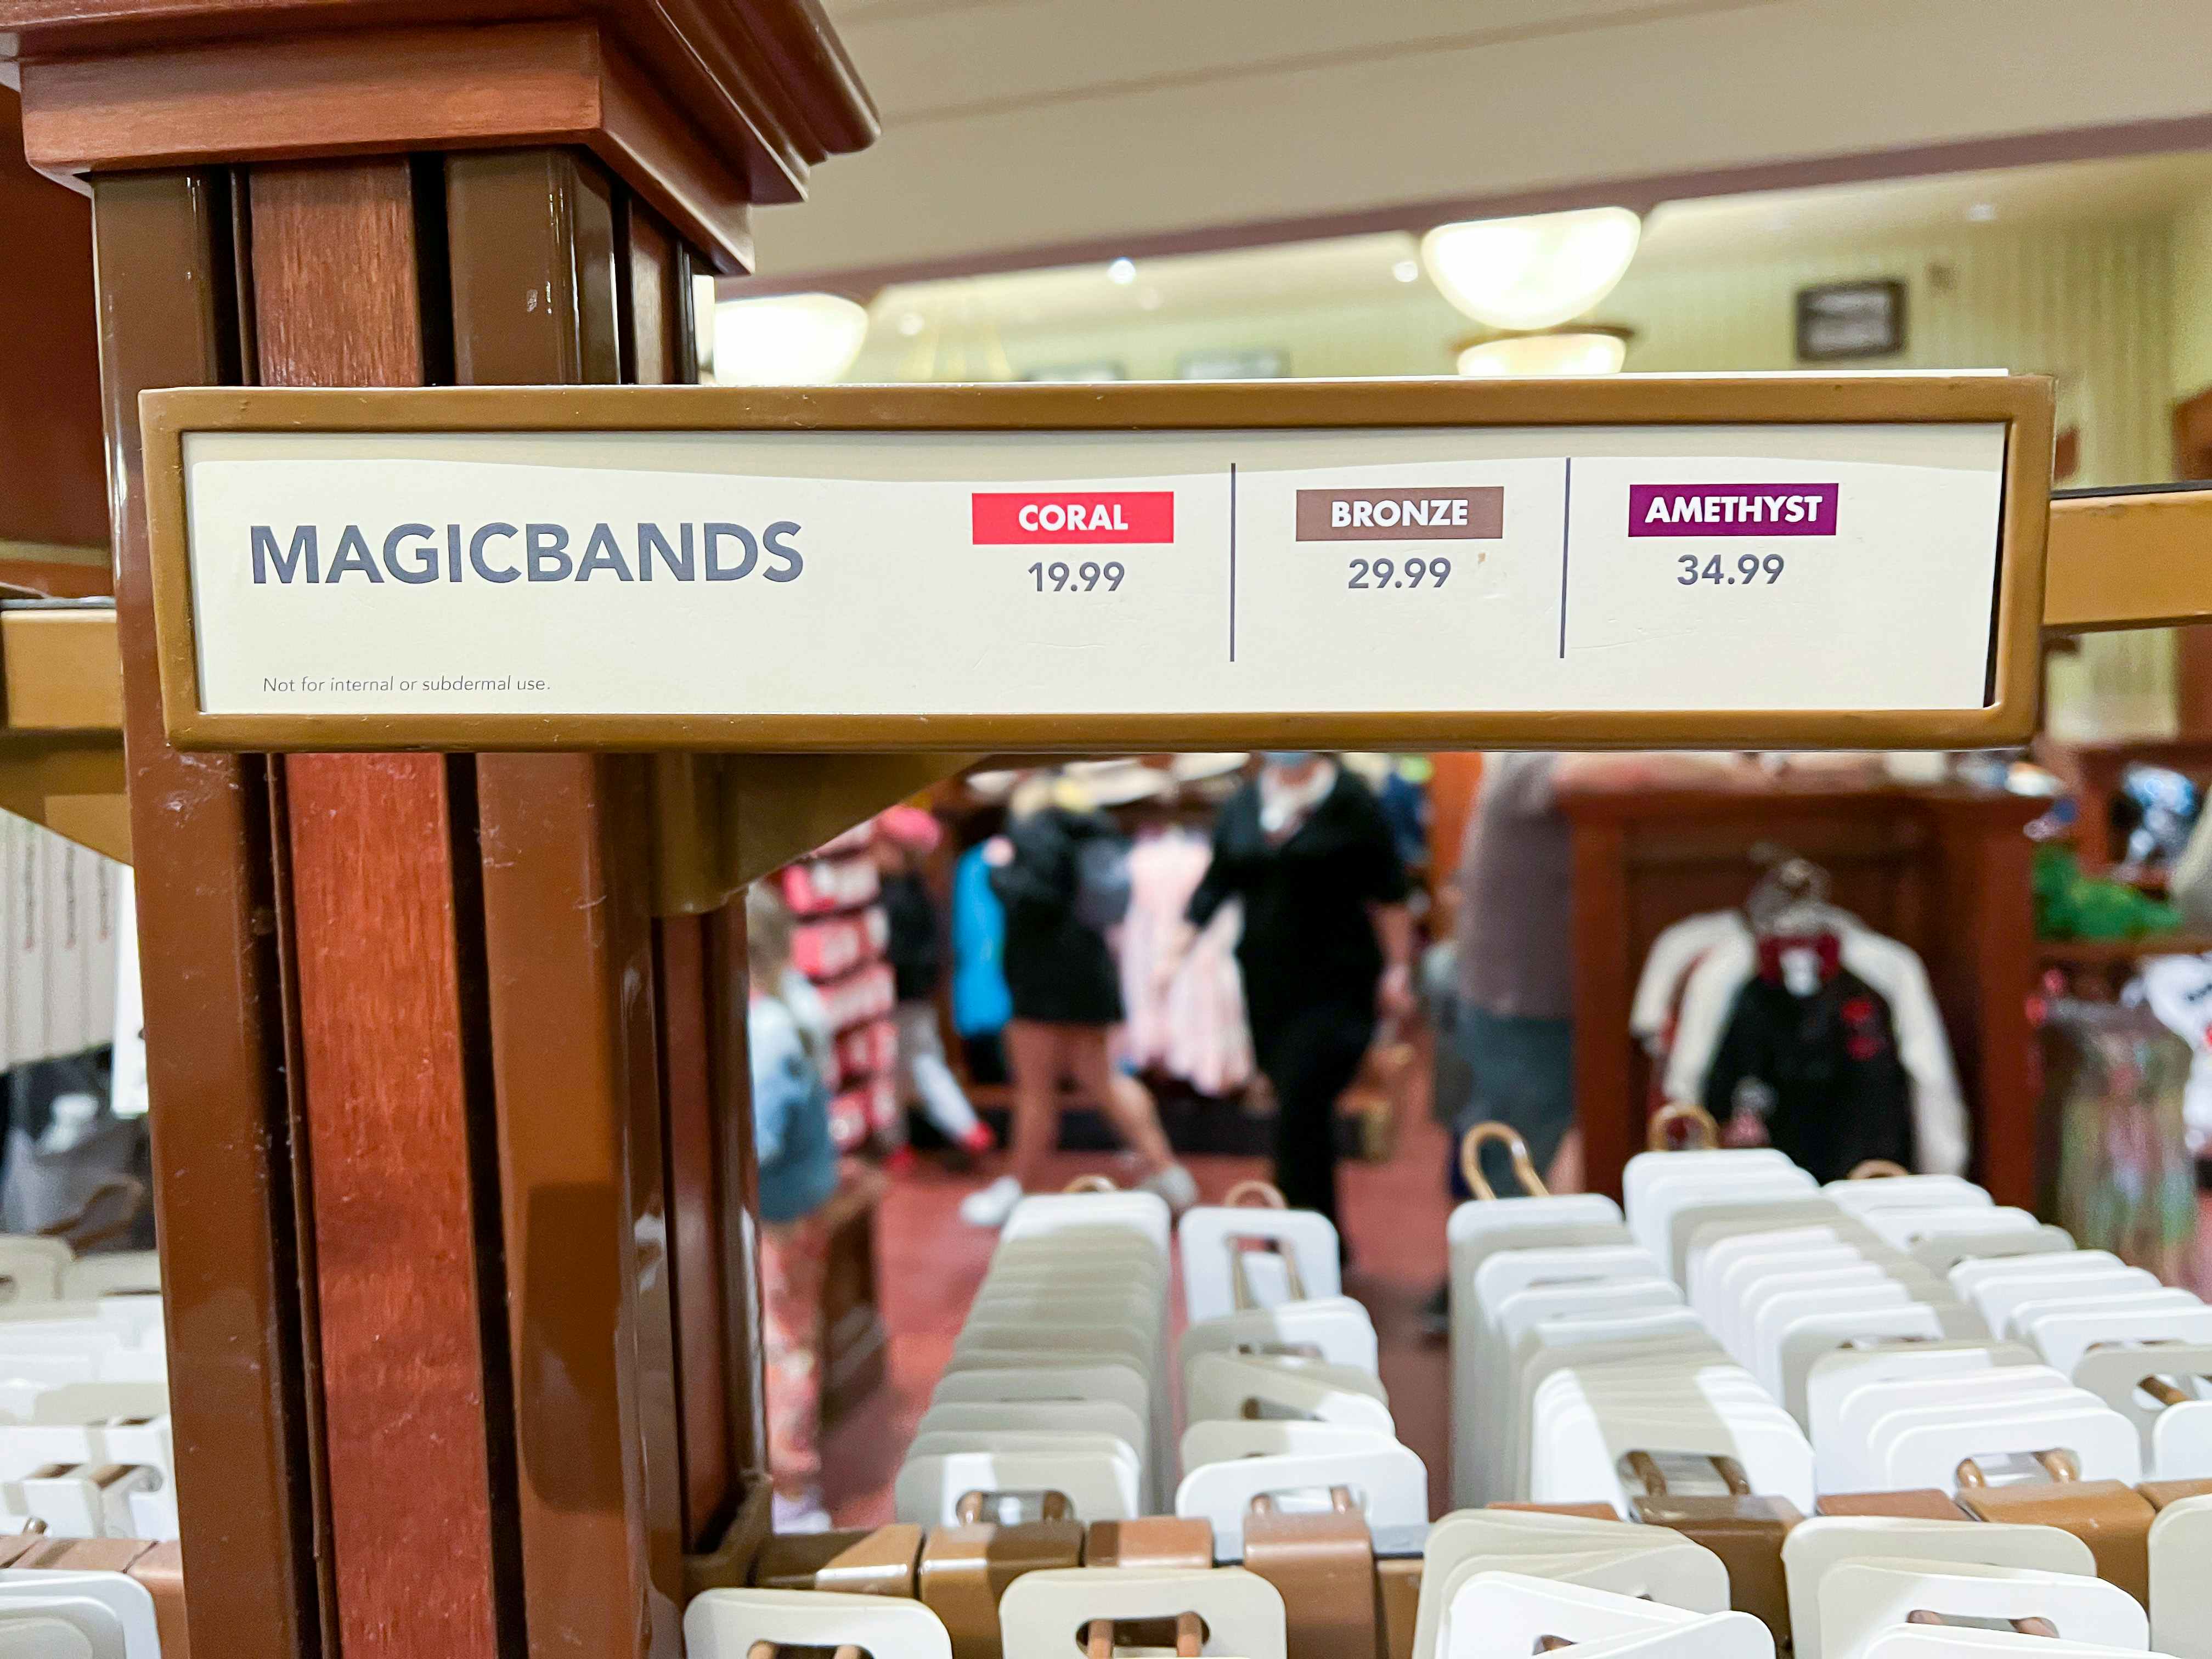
(917, 574)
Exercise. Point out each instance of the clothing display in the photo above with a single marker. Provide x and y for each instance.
(2179, 990)
(2114, 1082)
(1058, 968)
(1813, 1074)
(839, 949)
(64, 914)
(1873, 1000)
(1192, 1027)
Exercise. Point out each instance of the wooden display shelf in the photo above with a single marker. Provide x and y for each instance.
(61, 714)
(2106, 952)
(1944, 870)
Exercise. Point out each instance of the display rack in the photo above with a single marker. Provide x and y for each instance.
(455, 1172)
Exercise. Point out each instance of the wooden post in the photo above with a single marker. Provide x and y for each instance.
(419, 1155)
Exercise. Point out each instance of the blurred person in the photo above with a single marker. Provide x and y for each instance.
(1516, 964)
(1514, 1001)
(900, 840)
(1061, 871)
(1327, 949)
(798, 1176)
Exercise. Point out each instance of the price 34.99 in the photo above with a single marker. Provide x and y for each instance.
(1749, 568)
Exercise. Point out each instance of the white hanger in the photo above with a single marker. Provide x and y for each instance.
(1385, 1483)
(1504, 1615)
(1337, 1326)
(1860, 1598)
(1211, 1257)
(1816, 1545)
(1098, 1486)
(1939, 1642)
(1570, 1548)
(110, 1612)
(724, 1624)
(2175, 1419)
(2180, 1580)
(1041, 1611)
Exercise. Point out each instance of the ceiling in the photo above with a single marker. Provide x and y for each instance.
(1027, 132)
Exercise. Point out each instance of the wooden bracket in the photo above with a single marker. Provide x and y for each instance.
(723, 820)
(2129, 558)
(61, 748)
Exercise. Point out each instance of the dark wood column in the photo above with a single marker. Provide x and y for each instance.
(420, 1123)
(205, 856)
(540, 254)
(391, 1024)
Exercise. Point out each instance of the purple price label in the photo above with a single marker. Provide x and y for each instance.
(1732, 509)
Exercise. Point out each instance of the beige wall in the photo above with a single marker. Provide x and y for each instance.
(2193, 299)
(2088, 303)
(2093, 304)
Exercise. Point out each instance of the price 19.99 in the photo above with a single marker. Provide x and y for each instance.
(1088, 577)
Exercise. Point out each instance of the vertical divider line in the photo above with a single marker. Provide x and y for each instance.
(1232, 562)
(1566, 538)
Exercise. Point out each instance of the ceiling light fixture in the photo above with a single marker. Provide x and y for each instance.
(1982, 212)
(1407, 270)
(1532, 273)
(1569, 353)
(786, 339)
(1122, 271)
(911, 323)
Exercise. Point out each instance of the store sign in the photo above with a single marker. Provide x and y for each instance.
(1010, 567)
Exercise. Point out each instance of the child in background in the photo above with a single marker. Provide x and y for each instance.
(798, 1177)
(904, 836)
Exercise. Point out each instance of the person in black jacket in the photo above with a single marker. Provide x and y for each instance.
(1058, 849)
(1327, 945)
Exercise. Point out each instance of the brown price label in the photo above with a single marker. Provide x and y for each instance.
(1408, 515)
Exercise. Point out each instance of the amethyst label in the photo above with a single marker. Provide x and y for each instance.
(1732, 509)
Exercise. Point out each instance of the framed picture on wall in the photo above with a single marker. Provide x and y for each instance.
(1841, 321)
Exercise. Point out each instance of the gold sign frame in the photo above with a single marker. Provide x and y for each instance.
(2021, 404)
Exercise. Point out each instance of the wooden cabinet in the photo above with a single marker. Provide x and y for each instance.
(1947, 871)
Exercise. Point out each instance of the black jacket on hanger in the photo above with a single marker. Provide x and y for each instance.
(1835, 1092)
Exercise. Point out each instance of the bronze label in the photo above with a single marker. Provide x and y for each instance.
(1408, 515)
